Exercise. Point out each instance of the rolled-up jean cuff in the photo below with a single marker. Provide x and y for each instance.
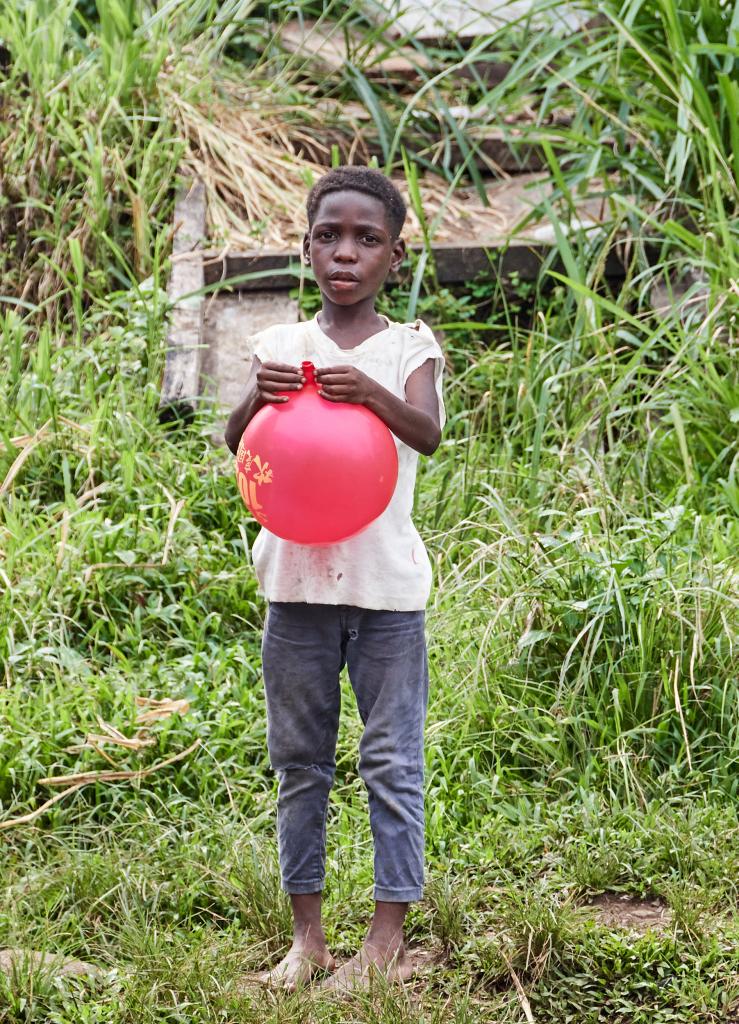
(398, 895)
(303, 888)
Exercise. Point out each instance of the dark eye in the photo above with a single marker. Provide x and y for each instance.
(326, 236)
(370, 239)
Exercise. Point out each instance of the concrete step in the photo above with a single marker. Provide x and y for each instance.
(229, 323)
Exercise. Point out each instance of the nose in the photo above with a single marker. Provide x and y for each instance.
(346, 250)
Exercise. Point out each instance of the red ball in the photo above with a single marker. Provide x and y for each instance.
(313, 471)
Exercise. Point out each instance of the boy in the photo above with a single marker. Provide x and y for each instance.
(360, 602)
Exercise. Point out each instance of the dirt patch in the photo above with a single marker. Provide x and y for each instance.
(618, 910)
(422, 958)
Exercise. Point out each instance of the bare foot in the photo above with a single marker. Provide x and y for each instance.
(356, 975)
(298, 968)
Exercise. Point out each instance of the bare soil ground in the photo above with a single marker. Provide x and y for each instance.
(618, 910)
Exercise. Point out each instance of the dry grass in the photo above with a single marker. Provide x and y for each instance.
(251, 157)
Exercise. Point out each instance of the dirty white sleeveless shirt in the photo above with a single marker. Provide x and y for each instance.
(385, 566)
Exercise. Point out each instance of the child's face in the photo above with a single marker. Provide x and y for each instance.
(350, 247)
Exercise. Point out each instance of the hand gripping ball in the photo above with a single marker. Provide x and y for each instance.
(313, 471)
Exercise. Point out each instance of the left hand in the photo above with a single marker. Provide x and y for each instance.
(344, 384)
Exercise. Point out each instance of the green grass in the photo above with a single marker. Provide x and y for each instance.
(174, 913)
(583, 520)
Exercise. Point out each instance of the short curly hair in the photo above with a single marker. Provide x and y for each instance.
(360, 179)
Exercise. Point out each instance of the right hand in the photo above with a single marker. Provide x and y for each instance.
(274, 377)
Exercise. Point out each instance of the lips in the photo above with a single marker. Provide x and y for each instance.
(343, 275)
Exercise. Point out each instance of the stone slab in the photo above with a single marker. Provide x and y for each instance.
(13, 961)
(432, 20)
(181, 377)
(480, 238)
(332, 45)
(229, 322)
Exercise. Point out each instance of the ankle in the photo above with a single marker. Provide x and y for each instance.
(309, 936)
(388, 943)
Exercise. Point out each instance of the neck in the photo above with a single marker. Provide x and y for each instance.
(349, 319)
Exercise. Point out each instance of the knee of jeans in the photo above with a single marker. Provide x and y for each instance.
(288, 755)
(289, 749)
(305, 774)
(390, 771)
(394, 796)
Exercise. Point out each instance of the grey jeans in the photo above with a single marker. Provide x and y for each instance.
(304, 648)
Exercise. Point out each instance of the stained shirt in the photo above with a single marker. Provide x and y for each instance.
(386, 565)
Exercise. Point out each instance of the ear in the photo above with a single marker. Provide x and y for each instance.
(306, 247)
(397, 255)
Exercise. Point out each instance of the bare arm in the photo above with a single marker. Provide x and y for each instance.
(265, 380)
(415, 421)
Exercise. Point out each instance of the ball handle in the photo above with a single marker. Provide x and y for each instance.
(309, 372)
